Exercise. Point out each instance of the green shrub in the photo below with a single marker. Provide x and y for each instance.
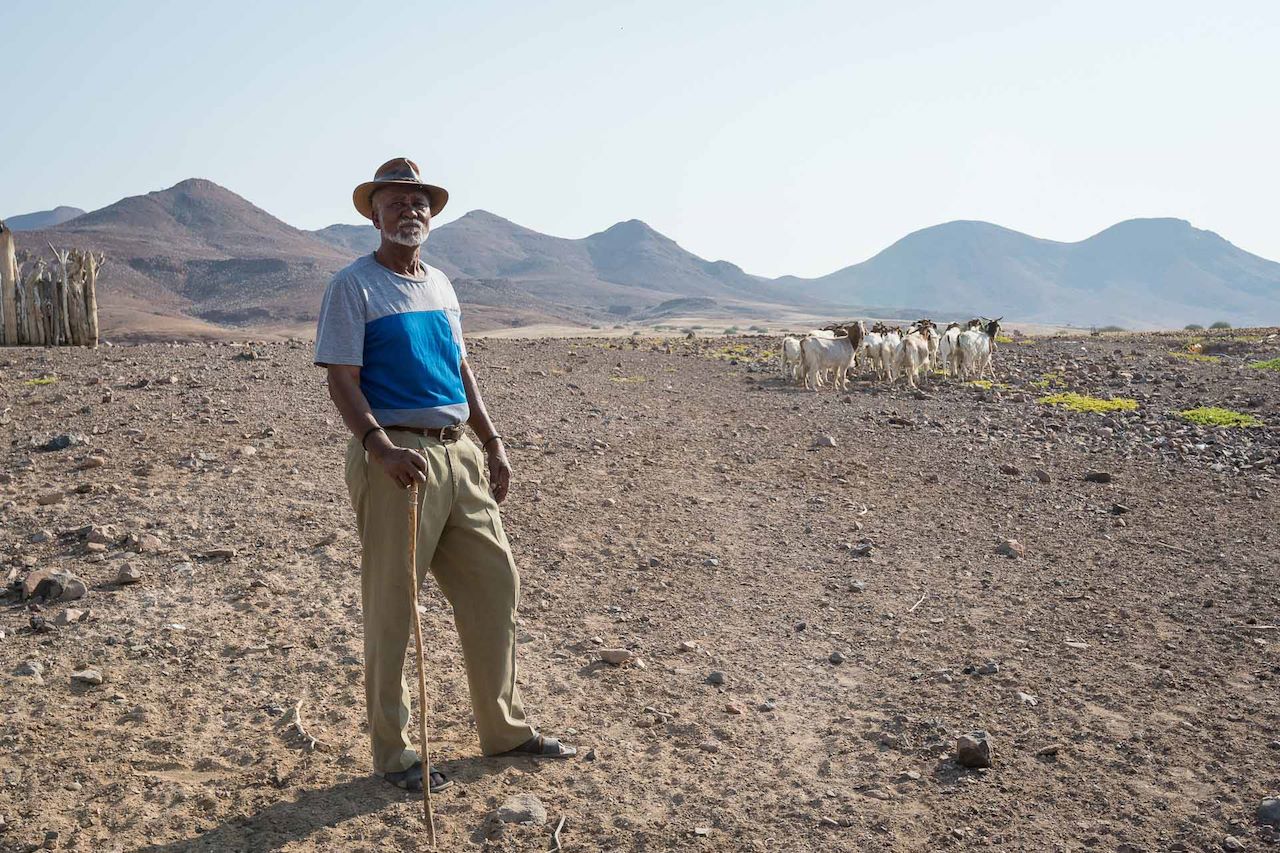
(1269, 364)
(1193, 327)
(43, 380)
(1085, 403)
(1111, 329)
(1221, 324)
(1214, 416)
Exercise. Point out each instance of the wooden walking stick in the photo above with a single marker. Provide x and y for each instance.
(422, 670)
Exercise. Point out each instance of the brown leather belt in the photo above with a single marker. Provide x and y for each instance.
(449, 433)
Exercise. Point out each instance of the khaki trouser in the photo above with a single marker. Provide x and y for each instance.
(460, 539)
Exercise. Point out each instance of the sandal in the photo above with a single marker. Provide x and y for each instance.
(411, 779)
(543, 747)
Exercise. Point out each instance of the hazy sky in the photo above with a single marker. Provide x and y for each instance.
(786, 137)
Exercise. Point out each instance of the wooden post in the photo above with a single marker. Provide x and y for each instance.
(91, 267)
(67, 299)
(8, 288)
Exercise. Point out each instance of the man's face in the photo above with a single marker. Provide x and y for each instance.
(402, 215)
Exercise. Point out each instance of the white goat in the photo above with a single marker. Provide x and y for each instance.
(791, 358)
(949, 350)
(913, 354)
(819, 355)
(890, 345)
(975, 348)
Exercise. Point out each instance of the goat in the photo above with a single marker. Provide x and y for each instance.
(913, 353)
(975, 348)
(890, 344)
(790, 358)
(818, 355)
(949, 350)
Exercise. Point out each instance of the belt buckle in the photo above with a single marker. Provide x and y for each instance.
(451, 433)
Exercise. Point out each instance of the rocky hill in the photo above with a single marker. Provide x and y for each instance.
(1143, 273)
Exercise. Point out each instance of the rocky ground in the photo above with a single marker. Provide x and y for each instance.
(825, 618)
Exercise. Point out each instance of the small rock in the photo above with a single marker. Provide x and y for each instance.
(1232, 844)
(63, 441)
(1042, 475)
(32, 668)
(617, 657)
(824, 441)
(1269, 812)
(857, 586)
(88, 676)
(688, 646)
(711, 562)
(220, 554)
(800, 626)
(49, 498)
(715, 677)
(1119, 509)
(248, 450)
(69, 616)
(1097, 477)
(1011, 470)
(1027, 699)
(989, 668)
(707, 745)
(1011, 548)
(605, 502)
(834, 657)
(863, 549)
(974, 750)
(1050, 751)
(130, 573)
(768, 705)
(53, 585)
(733, 708)
(91, 462)
(522, 808)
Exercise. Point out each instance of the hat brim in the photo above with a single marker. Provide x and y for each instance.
(362, 197)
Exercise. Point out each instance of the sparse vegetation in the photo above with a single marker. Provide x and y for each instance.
(732, 330)
(1195, 356)
(1052, 379)
(1085, 403)
(43, 380)
(1112, 329)
(1193, 327)
(1004, 339)
(1215, 416)
(1269, 364)
(1221, 324)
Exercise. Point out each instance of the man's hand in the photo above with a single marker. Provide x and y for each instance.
(499, 471)
(402, 464)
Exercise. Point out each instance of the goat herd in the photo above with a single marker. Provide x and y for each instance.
(963, 352)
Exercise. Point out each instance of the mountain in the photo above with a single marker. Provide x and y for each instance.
(1143, 273)
(197, 259)
(198, 250)
(621, 270)
(43, 218)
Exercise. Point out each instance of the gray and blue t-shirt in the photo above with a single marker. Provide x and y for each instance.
(405, 333)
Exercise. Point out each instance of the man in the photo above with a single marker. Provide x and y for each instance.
(390, 336)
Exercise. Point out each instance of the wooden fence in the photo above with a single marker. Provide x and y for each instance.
(45, 303)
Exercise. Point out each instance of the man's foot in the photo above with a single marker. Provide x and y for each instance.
(411, 779)
(544, 747)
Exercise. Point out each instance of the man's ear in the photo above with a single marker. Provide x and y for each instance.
(374, 216)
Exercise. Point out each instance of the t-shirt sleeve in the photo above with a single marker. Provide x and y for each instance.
(340, 329)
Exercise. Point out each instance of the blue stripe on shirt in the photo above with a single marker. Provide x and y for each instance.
(411, 361)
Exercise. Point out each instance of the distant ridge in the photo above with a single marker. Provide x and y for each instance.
(42, 218)
(1142, 273)
(200, 258)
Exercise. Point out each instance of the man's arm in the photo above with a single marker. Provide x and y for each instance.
(482, 426)
(401, 464)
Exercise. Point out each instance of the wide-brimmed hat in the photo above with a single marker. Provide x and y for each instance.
(400, 172)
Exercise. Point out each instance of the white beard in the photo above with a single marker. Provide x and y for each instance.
(405, 237)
